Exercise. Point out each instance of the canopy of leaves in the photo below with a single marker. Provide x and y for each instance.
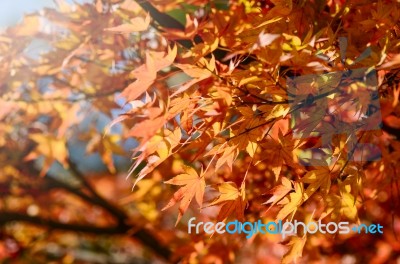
(228, 102)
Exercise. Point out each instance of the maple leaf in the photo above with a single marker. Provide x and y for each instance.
(229, 154)
(231, 198)
(296, 245)
(179, 104)
(318, 179)
(280, 191)
(146, 74)
(291, 203)
(106, 146)
(338, 205)
(156, 150)
(283, 150)
(247, 135)
(150, 125)
(193, 186)
(354, 180)
(51, 148)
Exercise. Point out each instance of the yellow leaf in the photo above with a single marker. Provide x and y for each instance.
(251, 148)
(228, 192)
(292, 202)
(51, 148)
(279, 111)
(349, 208)
(29, 26)
(318, 179)
(336, 206)
(296, 245)
(249, 79)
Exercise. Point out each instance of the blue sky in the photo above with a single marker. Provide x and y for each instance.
(12, 11)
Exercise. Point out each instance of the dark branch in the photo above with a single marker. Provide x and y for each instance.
(123, 227)
(164, 20)
(6, 217)
(120, 215)
(142, 235)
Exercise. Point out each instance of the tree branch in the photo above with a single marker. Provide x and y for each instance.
(120, 215)
(7, 216)
(122, 228)
(142, 235)
(166, 21)
(161, 18)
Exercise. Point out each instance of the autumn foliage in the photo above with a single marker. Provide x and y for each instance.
(224, 107)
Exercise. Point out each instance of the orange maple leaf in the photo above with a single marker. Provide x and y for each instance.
(146, 74)
(280, 191)
(231, 198)
(193, 186)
